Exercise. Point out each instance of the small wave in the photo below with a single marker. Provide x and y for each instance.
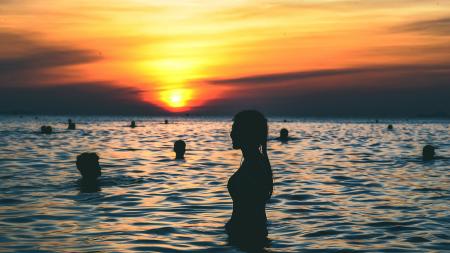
(9, 201)
(323, 233)
(161, 231)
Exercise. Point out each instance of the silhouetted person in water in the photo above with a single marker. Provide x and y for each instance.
(166, 121)
(284, 135)
(71, 125)
(390, 127)
(428, 153)
(46, 129)
(90, 170)
(251, 185)
(180, 148)
(133, 124)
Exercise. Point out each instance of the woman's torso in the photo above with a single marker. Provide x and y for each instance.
(250, 188)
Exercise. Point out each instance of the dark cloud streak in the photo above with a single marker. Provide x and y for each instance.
(439, 27)
(47, 58)
(272, 79)
(32, 56)
(76, 98)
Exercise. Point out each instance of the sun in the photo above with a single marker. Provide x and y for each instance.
(177, 99)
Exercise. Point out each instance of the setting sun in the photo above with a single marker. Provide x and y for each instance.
(177, 99)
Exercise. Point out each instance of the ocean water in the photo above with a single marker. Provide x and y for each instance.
(340, 186)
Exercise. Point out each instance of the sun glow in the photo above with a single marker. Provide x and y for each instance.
(173, 76)
(177, 99)
(174, 71)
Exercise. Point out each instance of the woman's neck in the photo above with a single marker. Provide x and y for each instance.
(250, 152)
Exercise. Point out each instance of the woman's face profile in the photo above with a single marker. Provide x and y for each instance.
(234, 137)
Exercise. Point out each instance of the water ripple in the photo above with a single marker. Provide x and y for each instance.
(340, 186)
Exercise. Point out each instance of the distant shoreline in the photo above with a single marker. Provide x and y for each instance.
(278, 117)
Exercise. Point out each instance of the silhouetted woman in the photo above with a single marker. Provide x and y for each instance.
(251, 185)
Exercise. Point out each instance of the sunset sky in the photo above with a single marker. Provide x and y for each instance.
(309, 57)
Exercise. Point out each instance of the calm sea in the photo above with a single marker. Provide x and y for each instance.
(340, 186)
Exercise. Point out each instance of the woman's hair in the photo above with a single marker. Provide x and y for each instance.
(252, 127)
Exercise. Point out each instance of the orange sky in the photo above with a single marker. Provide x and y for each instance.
(171, 49)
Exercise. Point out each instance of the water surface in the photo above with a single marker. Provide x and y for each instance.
(341, 186)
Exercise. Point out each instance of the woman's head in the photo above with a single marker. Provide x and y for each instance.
(249, 129)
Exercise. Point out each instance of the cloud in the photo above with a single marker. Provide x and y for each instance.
(25, 60)
(76, 98)
(31, 81)
(437, 49)
(275, 79)
(430, 27)
(47, 58)
(29, 55)
(405, 90)
(250, 10)
(270, 79)
(11, 39)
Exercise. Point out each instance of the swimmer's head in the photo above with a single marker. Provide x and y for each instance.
(71, 125)
(428, 153)
(89, 167)
(284, 134)
(133, 123)
(390, 127)
(180, 148)
(46, 129)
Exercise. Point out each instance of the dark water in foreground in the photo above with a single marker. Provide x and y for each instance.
(340, 187)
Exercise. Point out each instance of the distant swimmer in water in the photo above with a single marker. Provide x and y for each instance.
(166, 121)
(46, 129)
(133, 124)
(284, 135)
(390, 127)
(71, 125)
(428, 153)
(251, 186)
(90, 170)
(179, 147)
